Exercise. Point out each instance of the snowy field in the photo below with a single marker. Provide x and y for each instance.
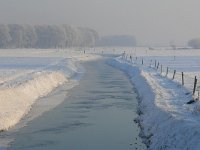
(168, 122)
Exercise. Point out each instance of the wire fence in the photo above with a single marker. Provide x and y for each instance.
(186, 79)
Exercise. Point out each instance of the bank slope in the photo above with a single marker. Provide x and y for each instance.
(166, 120)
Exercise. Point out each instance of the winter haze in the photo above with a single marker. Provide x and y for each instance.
(150, 21)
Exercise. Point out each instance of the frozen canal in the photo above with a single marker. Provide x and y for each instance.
(98, 114)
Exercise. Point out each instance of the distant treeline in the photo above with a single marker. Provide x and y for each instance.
(46, 36)
(117, 40)
(194, 43)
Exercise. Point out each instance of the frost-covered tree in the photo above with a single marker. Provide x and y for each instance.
(80, 37)
(57, 36)
(42, 39)
(5, 37)
(23, 36)
(16, 33)
(50, 36)
(90, 37)
(45, 36)
(68, 35)
(29, 36)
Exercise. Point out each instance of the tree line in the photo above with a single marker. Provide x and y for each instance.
(117, 40)
(46, 36)
(194, 43)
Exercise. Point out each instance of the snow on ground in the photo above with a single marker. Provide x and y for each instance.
(16, 101)
(29, 74)
(167, 121)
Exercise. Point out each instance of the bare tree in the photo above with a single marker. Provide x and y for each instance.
(5, 37)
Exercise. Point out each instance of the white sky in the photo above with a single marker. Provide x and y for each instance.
(151, 21)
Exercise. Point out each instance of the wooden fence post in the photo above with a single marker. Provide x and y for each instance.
(158, 65)
(174, 74)
(195, 85)
(182, 78)
(150, 63)
(142, 61)
(167, 71)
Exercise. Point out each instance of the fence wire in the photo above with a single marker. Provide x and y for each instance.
(185, 79)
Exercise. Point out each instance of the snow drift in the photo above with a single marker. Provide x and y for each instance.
(15, 102)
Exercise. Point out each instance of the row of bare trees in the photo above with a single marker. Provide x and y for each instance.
(46, 36)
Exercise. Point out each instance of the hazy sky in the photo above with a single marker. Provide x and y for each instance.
(151, 21)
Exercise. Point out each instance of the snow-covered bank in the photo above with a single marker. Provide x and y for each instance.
(28, 75)
(15, 102)
(167, 122)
